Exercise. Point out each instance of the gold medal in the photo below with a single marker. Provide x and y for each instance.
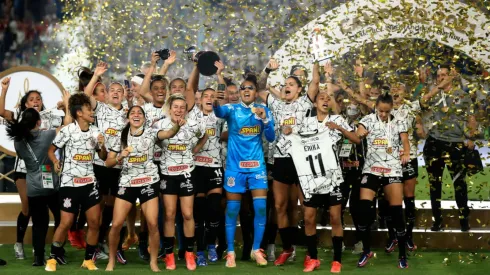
(445, 109)
(389, 150)
(253, 109)
(130, 149)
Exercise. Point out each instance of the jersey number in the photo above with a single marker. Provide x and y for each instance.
(311, 159)
(218, 173)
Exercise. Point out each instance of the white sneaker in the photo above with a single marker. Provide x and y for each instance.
(271, 252)
(292, 258)
(19, 251)
(104, 247)
(343, 247)
(357, 248)
(101, 255)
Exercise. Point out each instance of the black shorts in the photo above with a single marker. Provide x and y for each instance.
(75, 199)
(411, 170)
(374, 183)
(207, 178)
(18, 176)
(107, 179)
(143, 193)
(284, 171)
(325, 200)
(181, 185)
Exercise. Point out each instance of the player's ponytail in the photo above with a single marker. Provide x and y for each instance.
(384, 97)
(21, 127)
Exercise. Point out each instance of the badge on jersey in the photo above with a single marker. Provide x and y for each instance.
(345, 150)
(47, 180)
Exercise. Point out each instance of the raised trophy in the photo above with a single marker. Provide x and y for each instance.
(204, 59)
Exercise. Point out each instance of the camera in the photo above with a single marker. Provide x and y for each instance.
(163, 53)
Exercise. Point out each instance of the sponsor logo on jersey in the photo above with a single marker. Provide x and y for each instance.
(380, 141)
(177, 147)
(84, 180)
(139, 181)
(178, 168)
(211, 132)
(157, 155)
(111, 132)
(82, 157)
(249, 164)
(382, 170)
(250, 130)
(202, 159)
(289, 121)
(139, 159)
(230, 181)
(313, 147)
(67, 203)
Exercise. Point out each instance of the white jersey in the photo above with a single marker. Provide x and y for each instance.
(110, 122)
(153, 115)
(78, 149)
(407, 113)
(287, 114)
(49, 121)
(314, 155)
(177, 158)
(138, 168)
(380, 159)
(224, 145)
(210, 154)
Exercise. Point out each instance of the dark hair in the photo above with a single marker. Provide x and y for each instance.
(140, 75)
(23, 100)
(125, 131)
(229, 81)
(84, 77)
(445, 66)
(384, 98)
(207, 89)
(20, 128)
(76, 102)
(251, 78)
(156, 78)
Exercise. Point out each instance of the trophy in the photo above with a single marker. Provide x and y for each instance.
(204, 59)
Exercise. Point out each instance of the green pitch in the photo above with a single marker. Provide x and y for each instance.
(421, 263)
(478, 186)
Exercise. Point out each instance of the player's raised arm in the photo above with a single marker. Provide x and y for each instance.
(8, 115)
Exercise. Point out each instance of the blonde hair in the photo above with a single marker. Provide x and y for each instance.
(170, 100)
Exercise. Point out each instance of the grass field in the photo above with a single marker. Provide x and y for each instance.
(421, 263)
(478, 186)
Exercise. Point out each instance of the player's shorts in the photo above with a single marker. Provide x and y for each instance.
(238, 182)
(324, 200)
(411, 169)
(374, 182)
(284, 171)
(270, 178)
(18, 176)
(180, 185)
(207, 178)
(74, 199)
(107, 179)
(143, 193)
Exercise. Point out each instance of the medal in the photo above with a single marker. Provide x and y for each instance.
(253, 109)
(389, 150)
(130, 149)
(444, 109)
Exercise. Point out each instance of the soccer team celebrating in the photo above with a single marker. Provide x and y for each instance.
(197, 159)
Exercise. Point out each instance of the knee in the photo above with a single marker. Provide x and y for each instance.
(152, 225)
(281, 206)
(93, 223)
(310, 219)
(117, 225)
(335, 219)
(187, 216)
(169, 216)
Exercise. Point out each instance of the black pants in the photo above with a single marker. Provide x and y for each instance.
(439, 154)
(39, 209)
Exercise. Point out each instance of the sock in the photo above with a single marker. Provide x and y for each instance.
(311, 245)
(199, 217)
(259, 221)
(22, 224)
(232, 209)
(56, 250)
(399, 224)
(82, 220)
(168, 244)
(293, 234)
(337, 248)
(106, 222)
(285, 238)
(143, 239)
(410, 215)
(90, 251)
(391, 229)
(213, 217)
(271, 229)
(189, 244)
(365, 220)
(122, 236)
